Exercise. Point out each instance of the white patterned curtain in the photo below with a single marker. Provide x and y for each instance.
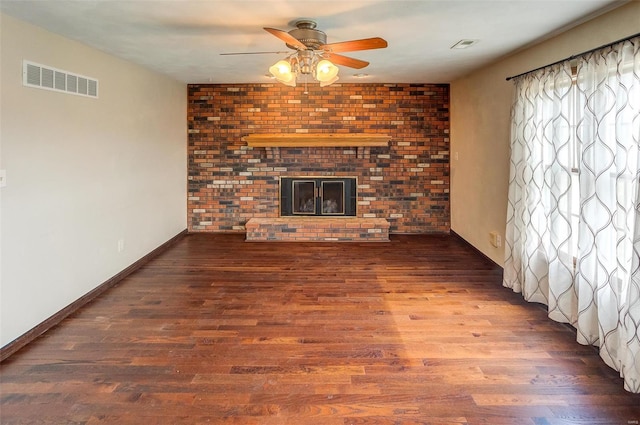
(539, 261)
(573, 223)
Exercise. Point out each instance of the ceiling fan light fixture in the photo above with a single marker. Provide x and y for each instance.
(281, 70)
(312, 54)
(326, 71)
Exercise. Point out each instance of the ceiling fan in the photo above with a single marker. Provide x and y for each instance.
(313, 56)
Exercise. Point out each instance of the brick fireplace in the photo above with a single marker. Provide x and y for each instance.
(406, 183)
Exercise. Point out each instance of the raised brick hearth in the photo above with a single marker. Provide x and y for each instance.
(296, 229)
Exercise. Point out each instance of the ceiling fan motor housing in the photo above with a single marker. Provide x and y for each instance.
(308, 35)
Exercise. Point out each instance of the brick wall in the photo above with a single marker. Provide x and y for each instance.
(407, 183)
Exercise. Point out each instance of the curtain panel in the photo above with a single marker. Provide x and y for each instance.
(539, 253)
(573, 216)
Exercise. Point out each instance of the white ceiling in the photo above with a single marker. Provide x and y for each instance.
(184, 38)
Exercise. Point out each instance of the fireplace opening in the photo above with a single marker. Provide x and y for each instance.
(317, 196)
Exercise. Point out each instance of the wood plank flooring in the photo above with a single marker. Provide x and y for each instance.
(216, 330)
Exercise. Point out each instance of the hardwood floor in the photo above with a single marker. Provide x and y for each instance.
(418, 330)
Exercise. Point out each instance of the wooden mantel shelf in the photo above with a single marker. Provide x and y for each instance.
(301, 140)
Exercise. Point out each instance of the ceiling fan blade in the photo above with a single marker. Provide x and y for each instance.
(353, 45)
(287, 38)
(252, 53)
(347, 61)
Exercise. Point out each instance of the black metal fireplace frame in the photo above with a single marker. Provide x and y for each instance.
(350, 185)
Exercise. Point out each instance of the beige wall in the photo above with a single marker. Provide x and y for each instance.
(82, 174)
(480, 108)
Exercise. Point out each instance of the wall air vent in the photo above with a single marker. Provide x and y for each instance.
(49, 78)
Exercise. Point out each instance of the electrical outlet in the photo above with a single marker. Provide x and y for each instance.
(495, 239)
(120, 245)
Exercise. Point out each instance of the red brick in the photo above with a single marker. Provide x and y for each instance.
(419, 113)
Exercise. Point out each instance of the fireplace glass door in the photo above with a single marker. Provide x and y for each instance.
(326, 196)
(332, 197)
(304, 194)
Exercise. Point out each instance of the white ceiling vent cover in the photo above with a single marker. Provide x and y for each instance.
(49, 78)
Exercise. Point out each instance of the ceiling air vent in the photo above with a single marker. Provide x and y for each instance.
(463, 44)
(49, 78)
